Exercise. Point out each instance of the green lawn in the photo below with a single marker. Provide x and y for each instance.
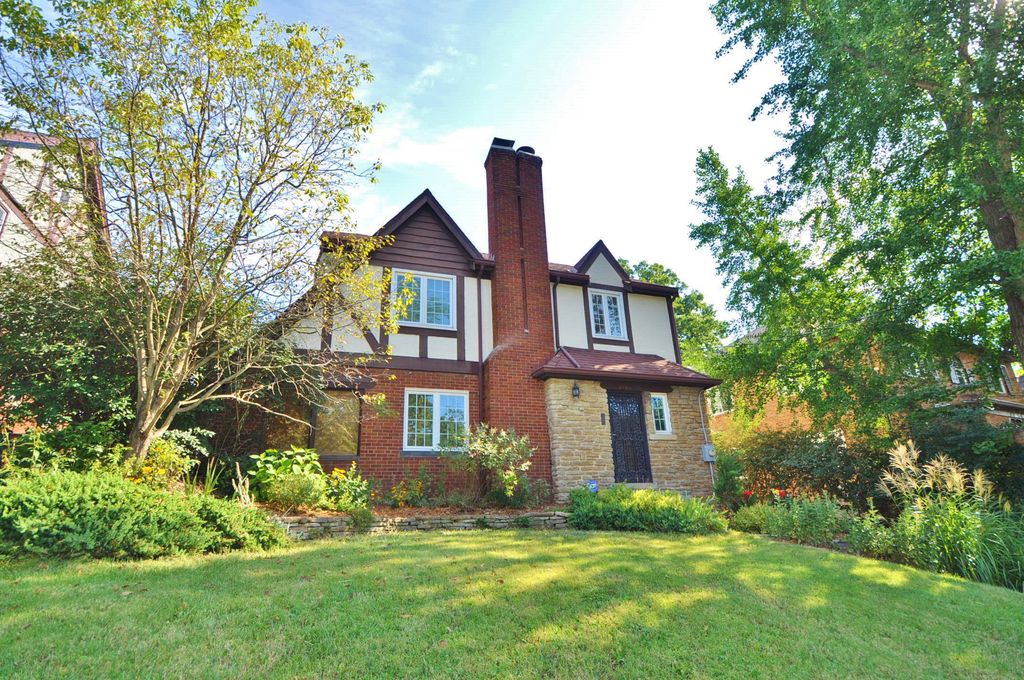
(505, 604)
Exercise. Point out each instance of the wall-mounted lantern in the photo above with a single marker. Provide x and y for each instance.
(575, 390)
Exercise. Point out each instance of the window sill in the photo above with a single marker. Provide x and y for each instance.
(664, 436)
(406, 453)
(412, 327)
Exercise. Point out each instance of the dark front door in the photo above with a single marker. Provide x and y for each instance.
(629, 438)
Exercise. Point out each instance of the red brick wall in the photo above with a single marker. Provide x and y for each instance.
(380, 435)
(521, 300)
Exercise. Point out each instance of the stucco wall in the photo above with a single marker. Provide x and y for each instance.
(581, 447)
(651, 326)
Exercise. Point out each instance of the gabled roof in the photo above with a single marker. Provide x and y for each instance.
(576, 362)
(596, 251)
(427, 199)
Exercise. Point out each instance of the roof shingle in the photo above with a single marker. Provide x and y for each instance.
(570, 362)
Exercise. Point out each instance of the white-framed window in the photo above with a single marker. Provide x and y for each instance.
(662, 416)
(431, 298)
(435, 419)
(1005, 381)
(958, 374)
(606, 316)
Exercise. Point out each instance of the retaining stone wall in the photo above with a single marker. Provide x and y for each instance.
(306, 527)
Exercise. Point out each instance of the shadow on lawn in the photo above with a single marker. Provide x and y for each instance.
(498, 603)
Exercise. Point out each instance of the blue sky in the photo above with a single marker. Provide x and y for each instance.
(615, 96)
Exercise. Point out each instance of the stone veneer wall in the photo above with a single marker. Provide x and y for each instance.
(677, 461)
(307, 527)
(581, 446)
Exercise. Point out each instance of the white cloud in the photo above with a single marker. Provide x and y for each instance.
(398, 140)
(428, 75)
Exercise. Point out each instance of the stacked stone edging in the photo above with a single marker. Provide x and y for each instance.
(305, 527)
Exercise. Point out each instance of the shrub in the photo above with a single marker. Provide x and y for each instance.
(750, 518)
(869, 535)
(102, 514)
(164, 467)
(500, 458)
(274, 463)
(362, 518)
(815, 521)
(528, 493)
(811, 463)
(347, 489)
(728, 480)
(621, 508)
(288, 491)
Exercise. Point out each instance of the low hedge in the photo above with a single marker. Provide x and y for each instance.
(102, 514)
(624, 509)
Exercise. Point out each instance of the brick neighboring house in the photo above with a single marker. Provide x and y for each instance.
(581, 358)
(1003, 392)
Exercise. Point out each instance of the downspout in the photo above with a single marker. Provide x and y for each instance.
(707, 441)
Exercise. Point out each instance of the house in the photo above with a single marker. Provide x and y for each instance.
(581, 358)
(1002, 395)
(26, 222)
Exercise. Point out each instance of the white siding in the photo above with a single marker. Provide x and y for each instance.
(572, 321)
(602, 271)
(472, 329)
(346, 336)
(651, 326)
(488, 318)
(306, 334)
(611, 348)
(442, 348)
(403, 345)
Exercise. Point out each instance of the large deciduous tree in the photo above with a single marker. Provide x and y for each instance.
(907, 119)
(224, 142)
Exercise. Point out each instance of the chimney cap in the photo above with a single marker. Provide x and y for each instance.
(503, 143)
(526, 149)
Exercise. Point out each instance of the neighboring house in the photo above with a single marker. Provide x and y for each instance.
(27, 224)
(1003, 394)
(581, 358)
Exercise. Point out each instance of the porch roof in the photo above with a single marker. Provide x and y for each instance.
(577, 362)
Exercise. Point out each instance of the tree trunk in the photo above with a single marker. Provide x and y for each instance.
(1005, 235)
(142, 437)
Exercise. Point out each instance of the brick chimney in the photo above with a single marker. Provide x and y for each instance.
(520, 297)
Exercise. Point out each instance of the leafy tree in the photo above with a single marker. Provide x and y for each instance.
(905, 146)
(700, 331)
(224, 142)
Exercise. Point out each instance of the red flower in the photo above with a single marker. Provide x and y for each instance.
(782, 493)
(748, 493)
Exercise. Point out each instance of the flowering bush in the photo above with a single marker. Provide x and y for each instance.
(347, 489)
(500, 458)
(164, 467)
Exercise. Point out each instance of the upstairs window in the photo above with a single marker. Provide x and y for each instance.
(958, 374)
(430, 298)
(435, 420)
(662, 417)
(1005, 381)
(606, 316)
